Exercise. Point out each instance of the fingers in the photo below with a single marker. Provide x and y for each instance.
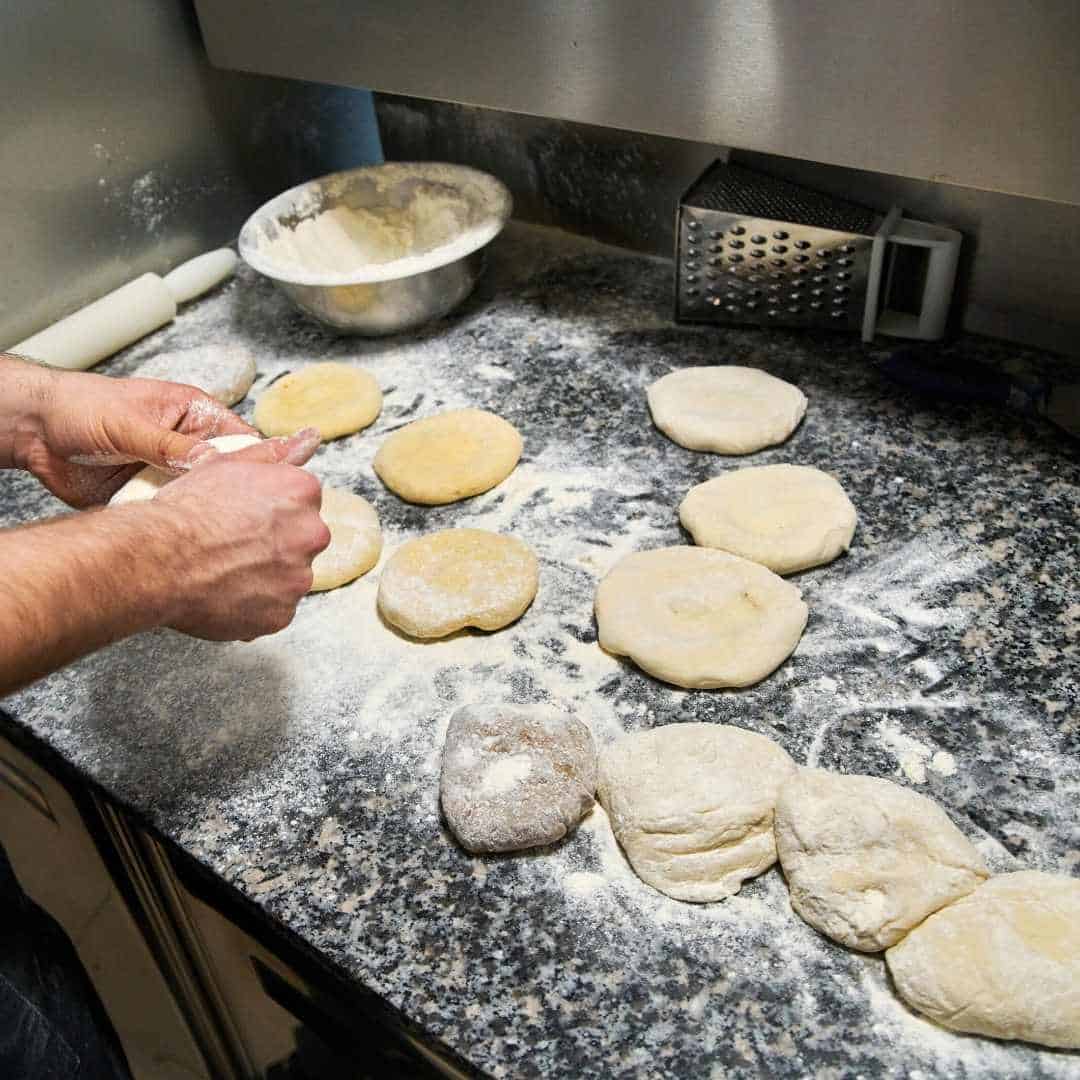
(207, 418)
(295, 450)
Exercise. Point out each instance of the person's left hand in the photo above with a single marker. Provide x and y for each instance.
(96, 432)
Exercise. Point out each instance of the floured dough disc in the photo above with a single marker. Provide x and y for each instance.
(515, 776)
(692, 805)
(866, 859)
(225, 372)
(336, 399)
(699, 618)
(1003, 961)
(355, 539)
(449, 456)
(786, 517)
(146, 483)
(726, 410)
(436, 584)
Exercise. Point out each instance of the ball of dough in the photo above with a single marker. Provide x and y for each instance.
(1003, 961)
(436, 584)
(786, 517)
(355, 539)
(866, 859)
(450, 456)
(692, 806)
(225, 372)
(699, 618)
(725, 410)
(336, 399)
(515, 776)
(146, 483)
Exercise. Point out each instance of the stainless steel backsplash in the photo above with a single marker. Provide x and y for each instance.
(1017, 281)
(123, 151)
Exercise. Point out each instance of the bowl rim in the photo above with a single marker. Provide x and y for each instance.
(501, 203)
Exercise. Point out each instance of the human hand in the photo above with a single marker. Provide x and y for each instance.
(249, 527)
(95, 432)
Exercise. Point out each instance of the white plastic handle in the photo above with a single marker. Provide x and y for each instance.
(942, 247)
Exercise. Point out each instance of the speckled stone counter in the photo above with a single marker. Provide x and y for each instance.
(302, 769)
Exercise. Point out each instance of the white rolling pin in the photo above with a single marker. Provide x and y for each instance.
(126, 314)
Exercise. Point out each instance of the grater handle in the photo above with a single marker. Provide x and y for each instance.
(936, 251)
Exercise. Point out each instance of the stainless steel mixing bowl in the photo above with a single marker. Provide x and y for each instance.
(379, 298)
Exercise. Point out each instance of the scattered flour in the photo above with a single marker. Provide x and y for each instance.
(506, 773)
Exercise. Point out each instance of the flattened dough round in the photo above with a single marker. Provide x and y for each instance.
(355, 539)
(449, 456)
(439, 583)
(866, 859)
(692, 805)
(336, 399)
(515, 776)
(1004, 961)
(786, 517)
(225, 372)
(146, 483)
(725, 410)
(699, 618)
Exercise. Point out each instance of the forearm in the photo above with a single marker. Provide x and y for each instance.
(26, 390)
(74, 584)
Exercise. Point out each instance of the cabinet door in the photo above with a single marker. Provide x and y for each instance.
(60, 868)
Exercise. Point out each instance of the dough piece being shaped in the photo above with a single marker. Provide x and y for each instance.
(725, 410)
(225, 372)
(866, 859)
(337, 399)
(692, 805)
(146, 483)
(1004, 961)
(436, 584)
(515, 777)
(355, 539)
(699, 618)
(786, 517)
(449, 456)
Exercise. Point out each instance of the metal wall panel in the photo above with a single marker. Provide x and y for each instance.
(981, 93)
(123, 151)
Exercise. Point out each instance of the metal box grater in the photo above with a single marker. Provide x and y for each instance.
(753, 249)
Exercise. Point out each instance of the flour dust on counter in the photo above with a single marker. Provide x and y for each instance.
(303, 768)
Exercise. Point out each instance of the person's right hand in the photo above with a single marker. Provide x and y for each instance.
(249, 525)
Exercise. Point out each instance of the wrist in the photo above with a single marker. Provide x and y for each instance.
(164, 556)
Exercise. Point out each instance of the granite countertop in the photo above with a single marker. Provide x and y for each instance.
(941, 652)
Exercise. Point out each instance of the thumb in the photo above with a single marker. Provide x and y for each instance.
(139, 439)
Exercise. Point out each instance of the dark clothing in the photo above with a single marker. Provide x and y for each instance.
(52, 1023)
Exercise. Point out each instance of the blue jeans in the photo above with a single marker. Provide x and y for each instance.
(52, 1023)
